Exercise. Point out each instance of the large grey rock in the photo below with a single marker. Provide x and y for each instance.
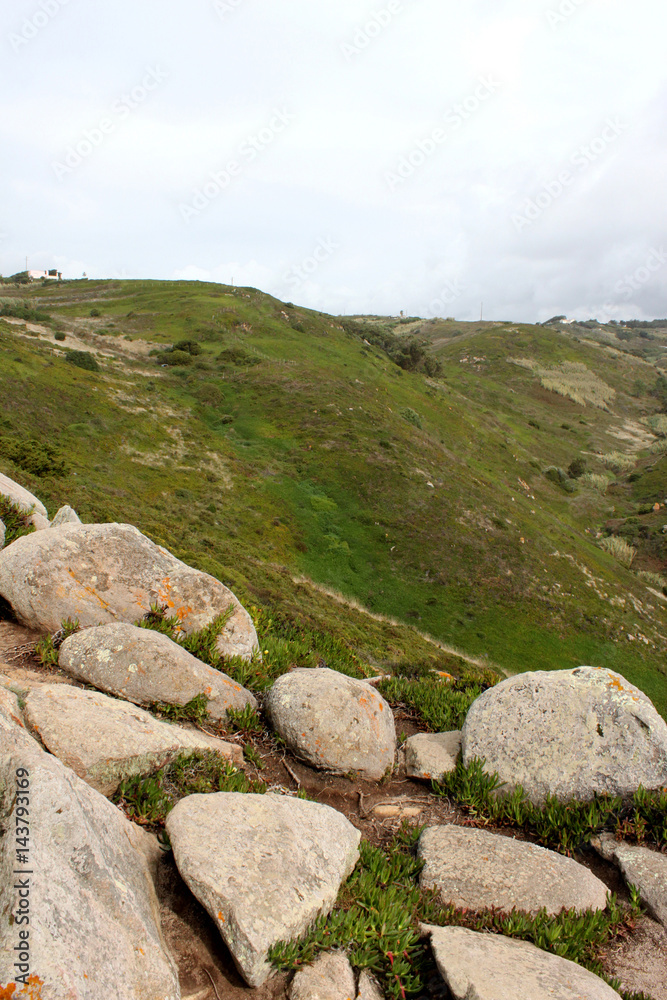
(430, 755)
(146, 667)
(568, 733)
(105, 740)
(101, 573)
(367, 988)
(264, 866)
(479, 966)
(25, 500)
(333, 721)
(476, 870)
(330, 977)
(94, 916)
(3, 534)
(13, 733)
(641, 867)
(66, 515)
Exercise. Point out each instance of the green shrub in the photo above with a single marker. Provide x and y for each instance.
(443, 706)
(189, 346)
(412, 417)
(82, 359)
(560, 478)
(173, 358)
(576, 468)
(196, 710)
(59, 335)
(35, 457)
(95, 312)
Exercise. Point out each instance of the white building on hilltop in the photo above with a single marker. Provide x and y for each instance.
(53, 275)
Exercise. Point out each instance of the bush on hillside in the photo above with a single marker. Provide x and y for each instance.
(59, 336)
(173, 358)
(33, 456)
(82, 359)
(576, 468)
(559, 478)
(189, 346)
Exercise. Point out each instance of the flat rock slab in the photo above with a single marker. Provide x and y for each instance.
(334, 722)
(641, 867)
(490, 967)
(105, 740)
(330, 977)
(147, 667)
(21, 497)
(430, 755)
(101, 573)
(476, 870)
(264, 866)
(94, 916)
(568, 733)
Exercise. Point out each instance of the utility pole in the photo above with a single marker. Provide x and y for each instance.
(481, 312)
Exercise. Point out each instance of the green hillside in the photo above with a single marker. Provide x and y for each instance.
(399, 463)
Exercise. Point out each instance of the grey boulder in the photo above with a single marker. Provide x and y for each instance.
(105, 740)
(568, 733)
(367, 988)
(479, 966)
(3, 534)
(330, 977)
(25, 500)
(65, 516)
(430, 755)
(145, 667)
(94, 916)
(101, 573)
(264, 866)
(476, 870)
(641, 867)
(333, 722)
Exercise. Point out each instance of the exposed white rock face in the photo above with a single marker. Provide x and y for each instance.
(641, 867)
(65, 516)
(146, 667)
(105, 740)
(95, 925)
(101, 573)
(430, 755)
(264, 866)
(568, 733)
(479, 966)
(334, 722)
(476, 870)
(22, 498)
(330, 977)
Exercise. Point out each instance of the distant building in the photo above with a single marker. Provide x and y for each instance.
(53, 275)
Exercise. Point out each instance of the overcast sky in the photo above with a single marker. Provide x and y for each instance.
(349, 155)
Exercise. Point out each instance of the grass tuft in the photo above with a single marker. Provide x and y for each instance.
(619, 549)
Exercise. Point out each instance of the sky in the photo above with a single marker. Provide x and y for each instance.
(493, 157)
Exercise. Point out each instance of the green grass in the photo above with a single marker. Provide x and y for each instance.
(302, 467)
(442, 705)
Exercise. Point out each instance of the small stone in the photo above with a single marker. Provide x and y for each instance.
(386, 812)
(477, 870)
(104, 740)
(641, 867)
(431, 755)
(65, 516)
(147, 667)
(330, 977)
(334, 722)
(478, 966)
(568, 733)
(264, 866)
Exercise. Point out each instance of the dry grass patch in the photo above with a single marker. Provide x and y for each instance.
(619, 549)
(571, 379)
(618, 461)
(595, 481)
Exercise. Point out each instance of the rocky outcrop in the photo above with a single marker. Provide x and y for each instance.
(102, 573)
(24, 500)
(94, 929)
(491, 967)
(330, 977)
(333, 722)
(476, 870)
(568, 733)
(430, 755)
(641, 867)
(65, 516)
(146, 667)
(105, 740)
(264, 866)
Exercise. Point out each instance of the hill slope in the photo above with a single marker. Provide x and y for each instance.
(400, 464)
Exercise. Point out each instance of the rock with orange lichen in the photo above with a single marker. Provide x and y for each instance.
(568, 733)
(334, 722)
(101, 573)
(145, 667)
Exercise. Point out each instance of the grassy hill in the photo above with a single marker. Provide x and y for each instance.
(399, 464)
